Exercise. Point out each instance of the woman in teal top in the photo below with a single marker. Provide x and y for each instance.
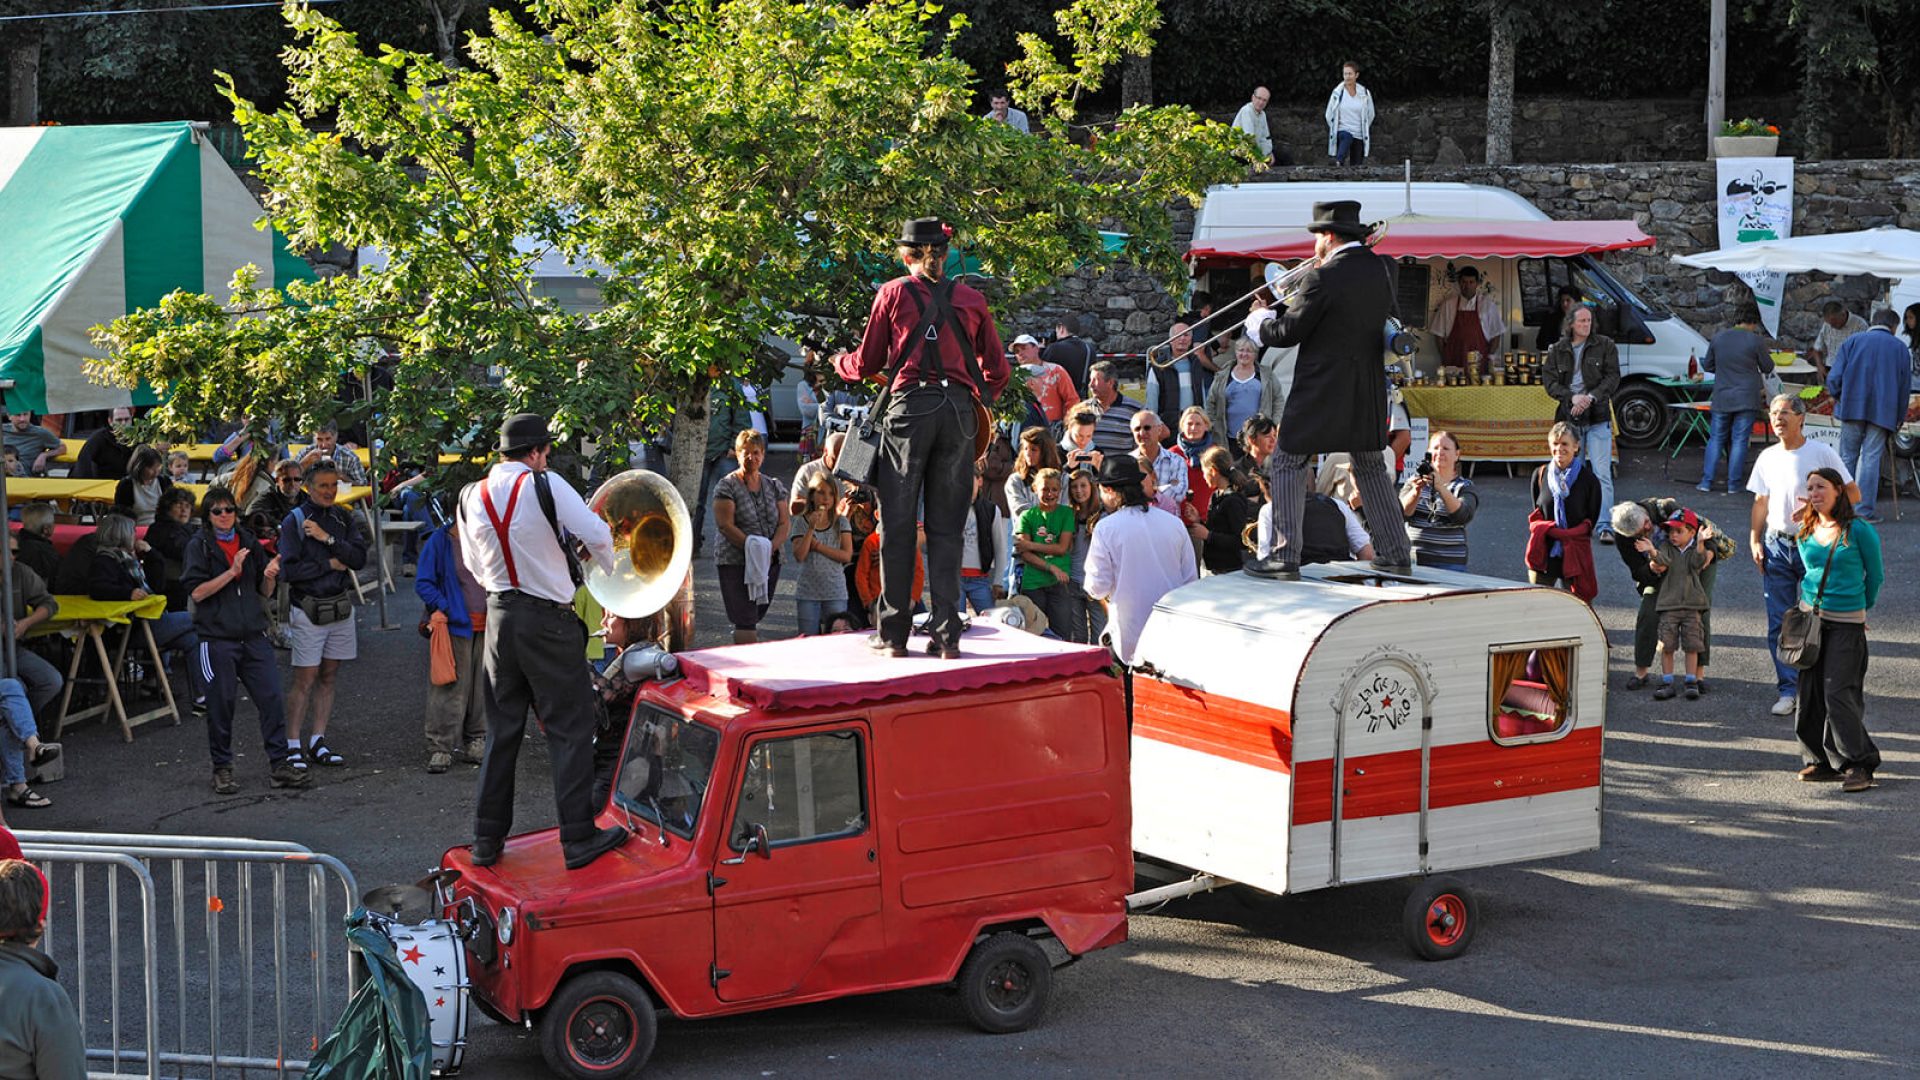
(1841, 554)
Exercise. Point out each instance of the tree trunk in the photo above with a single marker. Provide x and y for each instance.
(23, 79)
(1817, 73)
(1500, 83)
(1136, 81)
(1716, 71)
(687, 453)
(446, 28)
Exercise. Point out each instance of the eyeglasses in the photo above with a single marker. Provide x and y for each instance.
(212, 510)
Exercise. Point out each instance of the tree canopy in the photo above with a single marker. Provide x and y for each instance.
(721, 193)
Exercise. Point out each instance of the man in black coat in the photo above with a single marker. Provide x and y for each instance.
(1339, 400)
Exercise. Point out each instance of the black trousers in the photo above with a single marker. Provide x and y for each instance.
(925, 471)
(226, 666)
(1830, 717)
(536, 657)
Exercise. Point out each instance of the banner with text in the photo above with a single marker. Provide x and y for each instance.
(1756, 203)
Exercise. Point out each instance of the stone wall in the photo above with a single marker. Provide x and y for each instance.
(1672, 201)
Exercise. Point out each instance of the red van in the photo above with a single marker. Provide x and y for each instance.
(812, 821)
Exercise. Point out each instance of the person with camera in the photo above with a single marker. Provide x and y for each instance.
(321, 547)
(1438, 503)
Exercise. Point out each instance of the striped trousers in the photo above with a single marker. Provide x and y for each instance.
(1291, 478)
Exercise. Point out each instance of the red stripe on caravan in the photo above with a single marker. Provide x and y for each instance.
(1460, 774)
(1212, 724)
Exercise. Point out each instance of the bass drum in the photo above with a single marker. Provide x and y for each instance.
(433, 958)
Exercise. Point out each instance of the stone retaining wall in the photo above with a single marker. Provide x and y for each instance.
(1672, 201)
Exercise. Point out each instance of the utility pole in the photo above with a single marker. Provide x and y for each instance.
(1716, 73)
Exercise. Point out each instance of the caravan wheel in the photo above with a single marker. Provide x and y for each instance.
(1440, 918)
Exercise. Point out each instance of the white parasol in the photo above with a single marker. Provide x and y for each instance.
(1884, 252)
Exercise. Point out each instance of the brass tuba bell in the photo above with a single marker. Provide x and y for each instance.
(652, 571)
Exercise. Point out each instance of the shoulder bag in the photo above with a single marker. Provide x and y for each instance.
(1799, 641)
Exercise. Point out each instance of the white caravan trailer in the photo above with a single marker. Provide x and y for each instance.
(1355, 727)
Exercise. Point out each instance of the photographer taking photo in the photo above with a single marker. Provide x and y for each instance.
(1438, 502)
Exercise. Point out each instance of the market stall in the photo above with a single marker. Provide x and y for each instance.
(99, 221)
(1499, 411)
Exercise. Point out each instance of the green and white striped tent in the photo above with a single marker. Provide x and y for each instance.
(99, 221)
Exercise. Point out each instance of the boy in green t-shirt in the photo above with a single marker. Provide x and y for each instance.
(1043, 538)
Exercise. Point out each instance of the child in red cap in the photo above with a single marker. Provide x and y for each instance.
(1680, 557)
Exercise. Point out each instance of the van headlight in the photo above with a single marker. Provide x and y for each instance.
(505, 932)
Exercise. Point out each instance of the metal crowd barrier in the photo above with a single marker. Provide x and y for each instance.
(206, 957)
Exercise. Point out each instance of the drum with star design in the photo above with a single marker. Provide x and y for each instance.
(433, 958)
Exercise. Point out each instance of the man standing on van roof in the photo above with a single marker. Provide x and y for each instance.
(1339, 400)
(940, 352)
(1467, 321)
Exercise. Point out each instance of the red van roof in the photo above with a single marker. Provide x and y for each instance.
(837, 670)
(1441, 239)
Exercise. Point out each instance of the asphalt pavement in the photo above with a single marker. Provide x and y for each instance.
(1734, 921)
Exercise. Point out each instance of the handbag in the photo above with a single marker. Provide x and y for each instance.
(441, 670)
(1799, 640)
(859, 458)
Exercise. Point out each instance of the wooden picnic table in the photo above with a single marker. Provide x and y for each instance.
(85, 620)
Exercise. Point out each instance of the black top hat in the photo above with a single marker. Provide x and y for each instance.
(926, 232)
(1120, 470)
(523, 431)
(1342, 218)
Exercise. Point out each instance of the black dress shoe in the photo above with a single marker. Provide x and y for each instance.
(1386, 567)
(581, 852)
(1273, 568)
(883, 647)
(486, 852)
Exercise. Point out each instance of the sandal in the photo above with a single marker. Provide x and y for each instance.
(296, 758)
(319, 751)
(28, 799)
(48, 752)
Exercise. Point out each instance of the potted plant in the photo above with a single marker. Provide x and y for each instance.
(1746, 138)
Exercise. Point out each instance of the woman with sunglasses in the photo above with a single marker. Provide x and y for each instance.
(227, 572)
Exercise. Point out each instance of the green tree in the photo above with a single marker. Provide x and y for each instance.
(724, 194)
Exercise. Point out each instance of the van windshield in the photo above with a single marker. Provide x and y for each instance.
(668, 766)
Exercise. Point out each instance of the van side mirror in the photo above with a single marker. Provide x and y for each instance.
(756, 842)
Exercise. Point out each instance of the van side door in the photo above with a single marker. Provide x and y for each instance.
(796, 885)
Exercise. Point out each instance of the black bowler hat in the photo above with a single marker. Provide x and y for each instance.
(1342, 218)
(1120, 470)
(924, 232)
(523, 431)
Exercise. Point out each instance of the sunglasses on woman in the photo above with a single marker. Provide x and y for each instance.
(212, 510)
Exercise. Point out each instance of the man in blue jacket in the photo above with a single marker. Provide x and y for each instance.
(321, 547)
(1869, 380)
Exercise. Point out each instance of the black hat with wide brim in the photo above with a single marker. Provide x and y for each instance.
(1121, 470)
(523, 431)
(1341, 218)
(923, 232)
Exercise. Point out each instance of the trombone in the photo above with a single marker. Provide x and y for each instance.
(1279, 283)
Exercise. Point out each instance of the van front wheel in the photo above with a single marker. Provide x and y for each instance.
(1005, 982)
(1640, 410)
(600, 1026)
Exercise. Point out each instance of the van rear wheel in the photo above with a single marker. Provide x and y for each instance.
(600, 1026)
(1640, 409)
(1440, 918)
(1005, 982)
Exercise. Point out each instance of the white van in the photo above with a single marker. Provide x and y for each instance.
(1653, 341)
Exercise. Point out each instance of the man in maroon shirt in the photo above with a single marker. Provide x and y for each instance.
(937, 343)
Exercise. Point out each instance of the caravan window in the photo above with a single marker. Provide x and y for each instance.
(1530, 691)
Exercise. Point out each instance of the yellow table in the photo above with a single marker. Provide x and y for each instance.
(1491, 423)
(85, 620)
(347, 496)
(23, 489)
(366, 455)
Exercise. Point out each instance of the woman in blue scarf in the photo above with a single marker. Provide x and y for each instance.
(1566, 503)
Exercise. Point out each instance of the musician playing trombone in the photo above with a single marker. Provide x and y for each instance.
(1337, 317)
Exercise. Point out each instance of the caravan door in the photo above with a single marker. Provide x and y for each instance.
(1380, 770)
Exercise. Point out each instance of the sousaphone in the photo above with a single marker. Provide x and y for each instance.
(652, 575)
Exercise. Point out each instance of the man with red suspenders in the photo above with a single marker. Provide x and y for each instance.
(510, 525)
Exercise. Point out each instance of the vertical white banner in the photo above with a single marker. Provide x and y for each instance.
(1756, 203)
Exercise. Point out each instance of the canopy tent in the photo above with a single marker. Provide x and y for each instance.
(99, 221)
(1431, 239)
(1886, 252)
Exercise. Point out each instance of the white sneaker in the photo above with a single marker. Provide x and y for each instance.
(1784, 707)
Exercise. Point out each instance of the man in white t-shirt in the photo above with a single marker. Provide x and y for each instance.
(1137, 555)
(1779, 486)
